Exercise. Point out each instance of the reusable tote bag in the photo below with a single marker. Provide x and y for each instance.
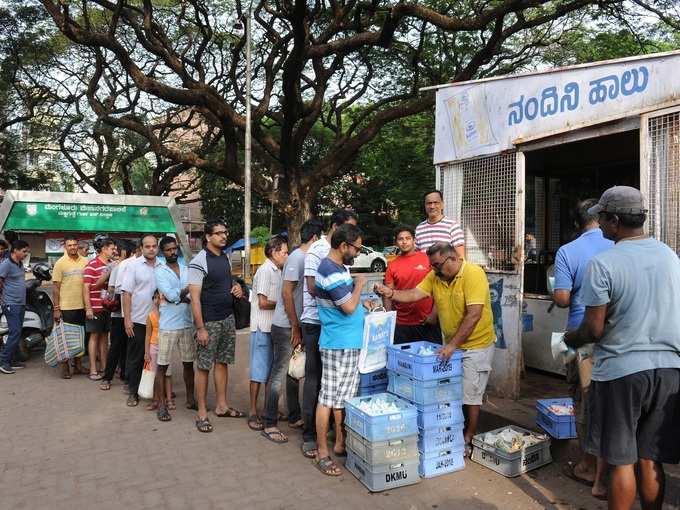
(378, 335)
(65, 342)
(145, 389)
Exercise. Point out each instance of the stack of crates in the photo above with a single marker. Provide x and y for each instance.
(435, 387)
(373, 382)
(382, 449)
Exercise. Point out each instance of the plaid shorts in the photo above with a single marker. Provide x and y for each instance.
(182, 339)
(339, 376)
(221, 344)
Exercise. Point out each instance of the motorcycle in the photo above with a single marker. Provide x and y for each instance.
(38, 320)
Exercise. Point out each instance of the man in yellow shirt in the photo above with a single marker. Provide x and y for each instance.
(461, 294)
(67, 279)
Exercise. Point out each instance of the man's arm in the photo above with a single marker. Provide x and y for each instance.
(287, 295)
(562, 298)
(56, 299)
(265, 303)
(350, 305)
(564, 280)
(591, 328)
(171, 293)
(400, 296)
(472, 315)
(127, 312)
(460, 250)
(387, 302)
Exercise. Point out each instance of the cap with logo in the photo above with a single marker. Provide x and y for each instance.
(620, 200)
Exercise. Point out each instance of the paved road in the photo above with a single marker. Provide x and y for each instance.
(66, 444)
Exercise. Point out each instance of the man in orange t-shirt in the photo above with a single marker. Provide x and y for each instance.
(415, 321)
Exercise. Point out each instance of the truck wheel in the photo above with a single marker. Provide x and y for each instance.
(378, 266)
(23, 352)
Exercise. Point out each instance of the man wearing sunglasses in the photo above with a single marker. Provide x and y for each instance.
(461, 294)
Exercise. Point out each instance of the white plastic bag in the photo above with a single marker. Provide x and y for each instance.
(296, 366)
(378, 335)
(145, 389)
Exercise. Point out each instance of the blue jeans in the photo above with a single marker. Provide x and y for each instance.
(14, 314)
(282, 351)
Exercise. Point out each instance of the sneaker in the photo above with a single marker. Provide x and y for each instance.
(6, 369)
(18, 366)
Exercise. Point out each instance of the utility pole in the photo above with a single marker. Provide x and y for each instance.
(247, 179)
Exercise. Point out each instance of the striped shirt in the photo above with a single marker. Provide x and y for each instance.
(267, 281)
(334, 287)
(316, 253)
(445, 230)
(94, 269)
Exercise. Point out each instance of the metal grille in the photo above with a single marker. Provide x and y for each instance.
(481, 195)
(664, 175)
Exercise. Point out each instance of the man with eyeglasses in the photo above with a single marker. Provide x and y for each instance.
(461, 294)
(212, 292)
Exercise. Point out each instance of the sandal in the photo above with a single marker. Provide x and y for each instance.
(105, 385)
(204, 425)
(254, 423)
(328, 467)
(171, 404)
(468, 450)
(95, 377)
(231, 413)
(272, 436)
(163, 414)
(153, 405)
(568, 470)
(309, 449)
(132, 401)
(297, 424)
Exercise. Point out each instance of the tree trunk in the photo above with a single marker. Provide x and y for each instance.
(295, 217)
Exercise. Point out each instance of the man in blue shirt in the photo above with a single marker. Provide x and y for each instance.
(632, 298)
(570, 266)
(341, 315)
(13, 301)
(175, 328)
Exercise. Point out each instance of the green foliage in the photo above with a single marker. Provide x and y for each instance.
(261, 234)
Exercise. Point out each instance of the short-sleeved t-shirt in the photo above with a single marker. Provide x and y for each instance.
(469, 287)
(317, 252)
(69, 273)
(213, 274)
(570, 266)
(334, 287)
(94, 269)
(406, 272)
(267, 281)
(293, 271)
(639, 281)
(14, 283)
(139, 281)
(445, 230)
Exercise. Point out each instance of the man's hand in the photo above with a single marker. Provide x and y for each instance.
(295, 336)
(383, 290)
(237, 291)
(89, 314)
(446, 352)
(360, 281)
(56, 315)
(129, 328)
(202, 336)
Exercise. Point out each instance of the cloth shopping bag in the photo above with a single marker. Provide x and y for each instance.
(378, 335)
(145, 389)
(65, 342)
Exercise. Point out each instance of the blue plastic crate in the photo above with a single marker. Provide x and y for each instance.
(445, 438)
(559, 427)
(426, 392)
(372, 390)
(445, 414)
(404, 359)
(441, 463)
(377, 378)
(383, 427)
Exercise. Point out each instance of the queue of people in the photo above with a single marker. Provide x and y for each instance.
(621, 288)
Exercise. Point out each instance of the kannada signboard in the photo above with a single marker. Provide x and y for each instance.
(487, 117)
(46, 217)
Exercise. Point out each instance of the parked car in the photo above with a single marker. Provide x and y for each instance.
(391, 253)
(369, 259)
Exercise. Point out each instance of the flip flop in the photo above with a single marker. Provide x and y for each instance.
(254, 423)
(297, 424)
(328, 467)
(105, 385)
(163, 414)
(231, 413)
(204, 425)
(568, 471)
(309, 449)
(281, 440)
(95, 377)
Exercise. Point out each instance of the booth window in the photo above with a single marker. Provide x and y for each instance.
(664, 174)
(481, 195)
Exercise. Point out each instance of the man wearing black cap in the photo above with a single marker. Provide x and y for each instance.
(632, 298)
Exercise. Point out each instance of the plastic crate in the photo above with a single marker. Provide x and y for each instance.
(445, 414)
(383, 477)
(383, 452)
(426, 392)
(559, 427)
(372, 390)
(510, 464)
(377, 378)
(441, 463)
(445, 438)
(385, 426)
(404, 359)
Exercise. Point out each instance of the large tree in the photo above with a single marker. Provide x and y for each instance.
(313, 62)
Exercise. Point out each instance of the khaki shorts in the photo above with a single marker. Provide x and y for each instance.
(181, 339)
(476, 369)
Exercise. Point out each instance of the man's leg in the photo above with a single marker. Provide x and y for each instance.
(92, 352)
(476, 367)
(651, 484)
(622, 487)
(323, 415)
(600, 481)
(471, 421)
(188, 373)
(187, 351)
(221, 375)
(293, 402)
(281, 351)
(310, 391)
(225, 348)
(104, 345)
(201, 380)
(113, 358)
(339, 417)
(14, 315)
(135, 358)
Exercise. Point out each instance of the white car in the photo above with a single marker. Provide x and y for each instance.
(369, 259)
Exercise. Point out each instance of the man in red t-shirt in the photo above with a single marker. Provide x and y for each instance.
(406, 272)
